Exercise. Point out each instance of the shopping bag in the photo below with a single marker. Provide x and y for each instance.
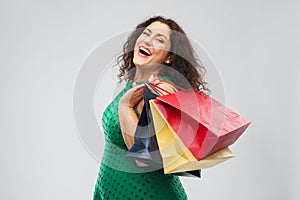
(203, 124)
(175, 155)
(145, 147)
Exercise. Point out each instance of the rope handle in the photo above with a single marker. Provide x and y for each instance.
(151, 88)
(173, 85)
(159, 90)
(155, 88)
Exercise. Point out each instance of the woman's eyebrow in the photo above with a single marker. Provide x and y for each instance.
(159, 34)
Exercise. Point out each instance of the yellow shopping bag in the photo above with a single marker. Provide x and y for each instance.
(175, 155)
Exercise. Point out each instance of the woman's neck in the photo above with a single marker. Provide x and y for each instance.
(143, 73)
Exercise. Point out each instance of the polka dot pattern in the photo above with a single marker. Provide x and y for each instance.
(115, 184)
(120, 178)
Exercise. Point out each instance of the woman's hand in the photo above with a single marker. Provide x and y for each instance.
(127, 116)
(133, 96)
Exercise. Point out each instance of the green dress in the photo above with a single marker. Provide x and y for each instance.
(120, 178)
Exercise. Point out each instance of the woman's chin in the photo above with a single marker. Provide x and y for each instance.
(140, 63)
(144, 63)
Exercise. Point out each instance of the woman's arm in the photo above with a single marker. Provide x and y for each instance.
(128, 122)
(127, 115)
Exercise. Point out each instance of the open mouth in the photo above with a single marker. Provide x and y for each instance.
(145, 52)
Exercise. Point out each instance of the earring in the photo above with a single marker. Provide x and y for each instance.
(167, 61)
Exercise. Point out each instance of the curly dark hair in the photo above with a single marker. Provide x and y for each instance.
(182, 54)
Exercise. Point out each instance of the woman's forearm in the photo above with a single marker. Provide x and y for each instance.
(128, 122)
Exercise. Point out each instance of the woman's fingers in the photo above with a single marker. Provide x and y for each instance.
(133, 96)
(150, 79)
(156, 81)
(153, 79)
(141, 164)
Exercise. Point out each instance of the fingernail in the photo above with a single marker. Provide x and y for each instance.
(151, 78)
(156, 82)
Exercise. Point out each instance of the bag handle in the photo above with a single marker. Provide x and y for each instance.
(178, 88)
(151, 88)
(157, 89)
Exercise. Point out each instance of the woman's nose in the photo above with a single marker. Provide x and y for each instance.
(148, 41)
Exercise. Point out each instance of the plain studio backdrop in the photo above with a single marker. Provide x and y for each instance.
(254, 45)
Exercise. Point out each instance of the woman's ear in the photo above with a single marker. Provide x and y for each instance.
(169, 59)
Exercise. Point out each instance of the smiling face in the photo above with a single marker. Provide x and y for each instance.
(153, 45)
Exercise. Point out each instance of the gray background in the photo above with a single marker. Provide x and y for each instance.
(254, 45)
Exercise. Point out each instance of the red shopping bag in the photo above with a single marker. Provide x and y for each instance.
(204, 125)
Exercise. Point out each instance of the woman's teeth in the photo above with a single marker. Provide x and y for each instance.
(144, 51)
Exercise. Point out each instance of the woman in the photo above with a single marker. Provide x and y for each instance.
(157, 49)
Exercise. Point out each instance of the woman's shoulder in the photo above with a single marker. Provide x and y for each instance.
(167, 79)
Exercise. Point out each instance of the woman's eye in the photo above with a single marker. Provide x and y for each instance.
(145, 33)
(160, 40)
